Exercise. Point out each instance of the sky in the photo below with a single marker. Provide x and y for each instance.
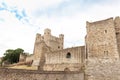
(20, 20)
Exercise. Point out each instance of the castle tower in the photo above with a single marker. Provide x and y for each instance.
(37, 46)
(40, 49)
(101, 40)
(102, 50)
(37, 51)
(47, 35)
(55, 43)
(46, 41)
(61, 41)
(117, 29)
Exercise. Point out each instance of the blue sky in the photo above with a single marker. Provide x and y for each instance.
(20, 20)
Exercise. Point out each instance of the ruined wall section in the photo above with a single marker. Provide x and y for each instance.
(13, 74)
(71, 58)
(117, 29)
(101, 40)
(29, 58)
(22, 58)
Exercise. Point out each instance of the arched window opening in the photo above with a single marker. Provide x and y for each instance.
(117, 33)
(68, 55)
(58, 47)
(106, 54)
(56, 78)
(67, 69)
(105, 31)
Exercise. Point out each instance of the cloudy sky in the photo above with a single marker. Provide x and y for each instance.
(20, 20)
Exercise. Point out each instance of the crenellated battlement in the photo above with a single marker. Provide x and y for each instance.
(55, 43)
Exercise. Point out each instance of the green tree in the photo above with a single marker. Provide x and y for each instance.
(12, 56)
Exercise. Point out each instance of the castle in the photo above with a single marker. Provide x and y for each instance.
(50, 55)
(98, 59)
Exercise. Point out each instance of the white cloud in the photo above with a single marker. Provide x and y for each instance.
(99, 12)
(32, 5)
(14, 34)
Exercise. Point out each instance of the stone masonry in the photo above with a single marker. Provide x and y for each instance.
(14, 74)
(101, 40)
(102, 49)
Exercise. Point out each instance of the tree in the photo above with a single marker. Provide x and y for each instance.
(12, 56)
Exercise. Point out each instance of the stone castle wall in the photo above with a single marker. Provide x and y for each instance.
(12, 74)
(71, 58)
(39, 52)
(60, 56)
(101, 39)
(63, 67)
(22, 58)
(117, 29)
(29, 58)
(102, 70)
(102, 48)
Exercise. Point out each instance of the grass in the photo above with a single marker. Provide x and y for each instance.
(24, 67)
